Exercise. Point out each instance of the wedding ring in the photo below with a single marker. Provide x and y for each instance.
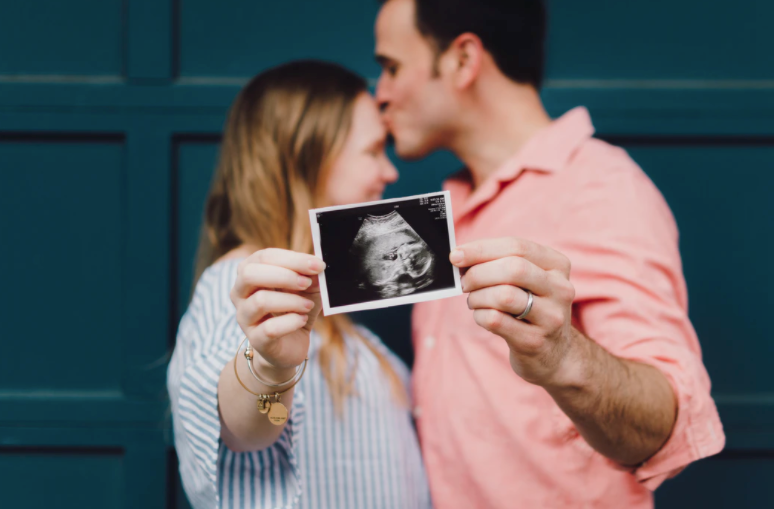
(530, 300)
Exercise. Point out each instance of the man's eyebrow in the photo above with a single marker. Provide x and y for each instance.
(383, 60)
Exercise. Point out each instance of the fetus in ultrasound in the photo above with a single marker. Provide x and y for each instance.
(392, 259)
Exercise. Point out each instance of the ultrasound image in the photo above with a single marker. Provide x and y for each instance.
(393, 259)
(387, 250)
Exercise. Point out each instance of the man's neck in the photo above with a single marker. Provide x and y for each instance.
(501, 122)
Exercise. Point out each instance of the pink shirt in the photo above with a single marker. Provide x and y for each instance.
(490, 439)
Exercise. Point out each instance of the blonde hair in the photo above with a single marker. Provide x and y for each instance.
(283, 132)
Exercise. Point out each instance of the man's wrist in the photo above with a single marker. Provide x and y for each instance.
(573, 371)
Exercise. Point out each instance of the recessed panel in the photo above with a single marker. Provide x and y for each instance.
(661, 39)
(730, 480)
(238, 38)
(61, 228)
(196, 162)
(78, 37)
(34, 478)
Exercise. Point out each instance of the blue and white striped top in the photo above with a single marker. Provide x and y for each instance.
(369, 458)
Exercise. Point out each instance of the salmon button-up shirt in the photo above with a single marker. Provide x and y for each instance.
(492, 440)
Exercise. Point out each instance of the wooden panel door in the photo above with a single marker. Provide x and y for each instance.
(110, 119)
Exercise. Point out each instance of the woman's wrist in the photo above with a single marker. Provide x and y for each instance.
(269, 372)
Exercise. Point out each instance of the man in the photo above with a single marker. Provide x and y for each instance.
(577, 286)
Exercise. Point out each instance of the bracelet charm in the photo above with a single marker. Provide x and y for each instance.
(276, 411)
(263, 405)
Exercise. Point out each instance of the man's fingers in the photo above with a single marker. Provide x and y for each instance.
(265, 302)
(298, 262)
(519, 335)
(257, 276)
(485, 250)
(506, 298)
(513, 301)
(511, 270)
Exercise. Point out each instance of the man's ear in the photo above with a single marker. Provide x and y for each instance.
(464, 58)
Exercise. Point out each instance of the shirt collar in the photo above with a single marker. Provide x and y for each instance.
(549, 150)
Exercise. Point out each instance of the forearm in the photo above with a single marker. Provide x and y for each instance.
(243, 427)
(623, 409)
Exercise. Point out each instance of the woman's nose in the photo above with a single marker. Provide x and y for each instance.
(389, 172)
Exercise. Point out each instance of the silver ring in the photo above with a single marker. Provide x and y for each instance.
(530, 300)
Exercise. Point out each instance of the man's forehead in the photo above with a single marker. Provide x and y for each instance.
(395, 24)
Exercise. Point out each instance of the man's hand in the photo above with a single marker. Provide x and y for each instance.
(500, 272)
(623, 409)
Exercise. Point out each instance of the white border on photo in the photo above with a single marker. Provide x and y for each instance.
(395, 301)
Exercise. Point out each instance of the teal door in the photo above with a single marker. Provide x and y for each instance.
(110, 113)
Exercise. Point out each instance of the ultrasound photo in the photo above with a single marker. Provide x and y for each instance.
(385, 253)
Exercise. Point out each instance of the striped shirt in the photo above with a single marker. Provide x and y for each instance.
(367, 458)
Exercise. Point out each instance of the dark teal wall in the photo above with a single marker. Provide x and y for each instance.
(110, 113)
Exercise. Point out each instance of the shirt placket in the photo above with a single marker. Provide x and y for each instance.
(435, 334)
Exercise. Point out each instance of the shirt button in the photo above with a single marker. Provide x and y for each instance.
(417, 412)
(429, 342)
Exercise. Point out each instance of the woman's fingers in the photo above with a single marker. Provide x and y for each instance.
(271, 339)
(279, 326)
(257, 306)
(280, 341)
(298, 262)
(277, 269)
(257, 276)
(277, 298)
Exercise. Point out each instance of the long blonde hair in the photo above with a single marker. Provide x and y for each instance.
(284, 130)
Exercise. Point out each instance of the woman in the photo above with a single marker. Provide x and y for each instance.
(303, 135)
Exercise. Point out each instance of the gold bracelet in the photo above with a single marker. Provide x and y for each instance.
(296, 376)
(277, 412)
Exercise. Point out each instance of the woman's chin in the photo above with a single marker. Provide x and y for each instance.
(366, 197)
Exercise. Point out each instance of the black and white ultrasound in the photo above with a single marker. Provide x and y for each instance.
(386, 250)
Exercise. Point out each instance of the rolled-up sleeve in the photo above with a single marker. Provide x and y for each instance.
(200, 355)
(631, 298)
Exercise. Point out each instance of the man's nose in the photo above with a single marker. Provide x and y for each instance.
(382, 97)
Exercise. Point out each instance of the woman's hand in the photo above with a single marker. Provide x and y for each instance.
(277, 299)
